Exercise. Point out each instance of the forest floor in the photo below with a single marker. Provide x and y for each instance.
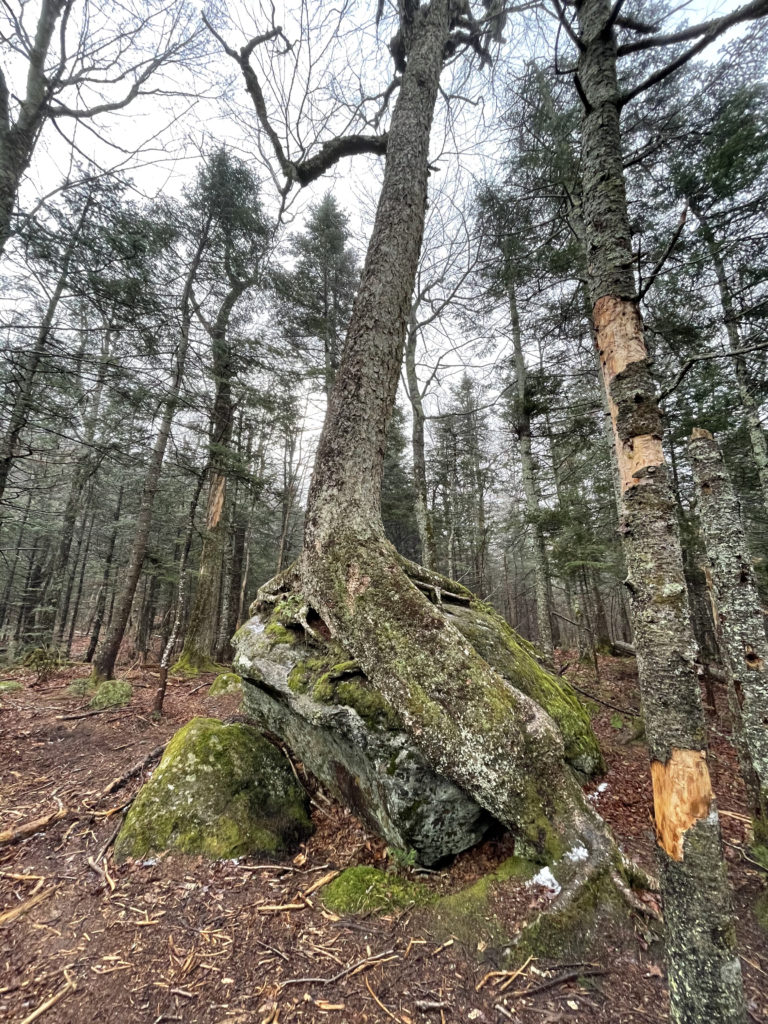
(182, 939)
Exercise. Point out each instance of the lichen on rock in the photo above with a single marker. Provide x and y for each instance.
(220, 791)
(312, 695)
(226, 683)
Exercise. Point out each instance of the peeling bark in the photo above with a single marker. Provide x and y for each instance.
(704, 970)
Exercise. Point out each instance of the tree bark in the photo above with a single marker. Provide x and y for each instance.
(739, 609)
(704, 969)
(101, 601)
(201, 637)
(181, 599)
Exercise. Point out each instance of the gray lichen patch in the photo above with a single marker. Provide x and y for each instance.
(221, 791)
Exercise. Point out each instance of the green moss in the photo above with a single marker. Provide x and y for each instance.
(287, 612)
(221, 791)
(469, 914)
(112, 693)
(759, 852)
(9, 685)
(495, 641)
(191, 664)
(227, 682)
(761, 911)
(363, 888)
(582, 924)
(82, 687)
(279, 634)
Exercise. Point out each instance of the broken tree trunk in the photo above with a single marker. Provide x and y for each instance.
(739, 611)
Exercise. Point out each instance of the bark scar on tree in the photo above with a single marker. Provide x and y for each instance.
(619, 341)
(682, 795)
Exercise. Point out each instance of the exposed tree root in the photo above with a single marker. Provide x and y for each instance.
(472, 724)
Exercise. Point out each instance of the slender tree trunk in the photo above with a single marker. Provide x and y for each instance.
(424, 521)
(101, 601)
(704, 969)
(201, 637)
(79, 592)
(23, 398)
(742, 628)
(5, 604)
(757, 436)
(104, 663)
(523, 431)
(181, 598)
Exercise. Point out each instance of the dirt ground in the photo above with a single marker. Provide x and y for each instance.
(182, 939)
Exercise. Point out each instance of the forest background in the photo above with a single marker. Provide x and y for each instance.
(173, 317)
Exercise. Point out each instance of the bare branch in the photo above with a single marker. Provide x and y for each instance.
(710, 29)
(665, 255)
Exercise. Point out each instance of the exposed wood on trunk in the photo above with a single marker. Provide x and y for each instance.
(682, 795)
(704, 970)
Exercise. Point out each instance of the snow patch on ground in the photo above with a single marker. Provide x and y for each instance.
(546, 879)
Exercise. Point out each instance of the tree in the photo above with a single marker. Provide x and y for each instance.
(80, 62)
(317, 294)
(490, 739)
(705, 974)
(232, 263)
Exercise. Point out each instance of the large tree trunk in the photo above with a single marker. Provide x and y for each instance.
(742, 629)
(704, 969)
(492, 740)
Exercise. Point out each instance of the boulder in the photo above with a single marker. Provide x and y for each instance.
(226, 683)
(221, 791)
(302, 686)
(349, 737)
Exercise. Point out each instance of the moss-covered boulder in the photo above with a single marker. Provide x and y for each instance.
(304, 686)
(83, 687)
(313, 696)
(220, 791)
(112, 693)
(226, 683)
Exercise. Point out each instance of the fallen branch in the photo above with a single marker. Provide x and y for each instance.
(11, 915)
(13, 835)
(121, 780)
(89, 714)
(561, 979)
(69, 986)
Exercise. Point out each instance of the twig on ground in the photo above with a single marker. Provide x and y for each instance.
(69, 986)
(37, 897)
(561, 979)
(349, 969)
